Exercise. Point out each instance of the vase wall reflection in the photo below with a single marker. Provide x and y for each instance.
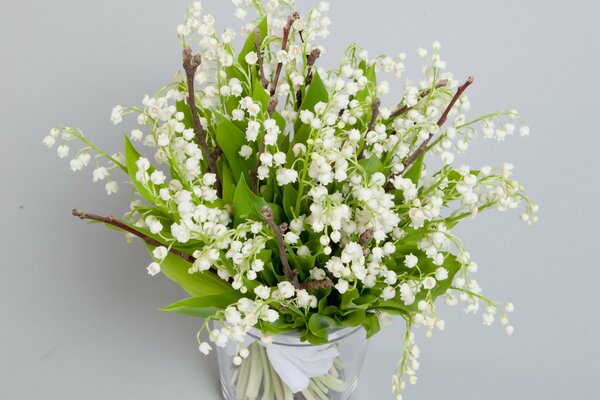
(284, 368)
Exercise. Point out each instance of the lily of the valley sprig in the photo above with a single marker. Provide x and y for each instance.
(289, 198)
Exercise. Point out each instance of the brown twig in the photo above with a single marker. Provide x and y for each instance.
(374, 114)
(423, 94)
(311, 59)
(261, 149)
(284, 42)
(313, 284)
(257, 41)
(366, 237)
(123, 226)
(273, 96)
(423, 147)
(457, 95)
(190, 65)
(290, 274)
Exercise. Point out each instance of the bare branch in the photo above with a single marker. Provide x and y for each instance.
(123, 226)
(273, 96)
(290, 274)
(366, 237)
(424, 145)
(374, 114)
(311, 59)
(190, 65)
(284, 42)
(257, 41)
(313, 284)
(457, 95)
(423, 94)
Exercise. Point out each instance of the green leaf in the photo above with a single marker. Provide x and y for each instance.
(303, 264)
(259, 93)
(230, 139)
(372, 165)
(301, 135)
(290, 195)
(320, 325)
(249, 43)
(371, 324)
(415, 171)
(131, 156)
(323, 295)
(203, 306)
(315, 93)
(283, 141)
(397, 307)
(277, 327)
(453, 266)
(425, 267)
(353, 319)
(369, 73)
(197, 284)
(227, 182)
(184, 108)
(247, 205)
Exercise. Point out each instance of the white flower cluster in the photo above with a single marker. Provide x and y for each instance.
(345, 175)
(82, 158)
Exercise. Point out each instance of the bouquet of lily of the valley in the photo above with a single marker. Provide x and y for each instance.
(286, 198)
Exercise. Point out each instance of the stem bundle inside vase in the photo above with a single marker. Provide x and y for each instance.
(287, 198)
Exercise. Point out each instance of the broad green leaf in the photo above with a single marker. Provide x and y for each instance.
(131, 156)
(277, 327)
(283, 141)
(453, 266)
(249, 45)
(372, 165)
(303, 264)
(203, 306)
(231, 139)
(184, 108)
(425, 267)
(347, 299)
(405, 249)
(369, 73)
(371, 324)
(352, 300)
(259, 93)
(415, 171)
(197, 284)
(247, 205)
(396, 307)
(227, 182)
(354, 318)
(323, 295)
(320, 325)
(301, 135)
(315, 93)
(290, 195)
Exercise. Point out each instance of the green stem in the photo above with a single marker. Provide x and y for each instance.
(268, 392)
(256, 373)
(243, 378)
(99, 150)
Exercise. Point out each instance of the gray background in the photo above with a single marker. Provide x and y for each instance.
(78, 313)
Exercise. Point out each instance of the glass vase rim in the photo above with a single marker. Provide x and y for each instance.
(343, 333)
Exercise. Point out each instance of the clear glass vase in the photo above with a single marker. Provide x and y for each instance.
(288, 369)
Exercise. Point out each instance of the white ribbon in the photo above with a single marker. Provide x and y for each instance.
(296, 364)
